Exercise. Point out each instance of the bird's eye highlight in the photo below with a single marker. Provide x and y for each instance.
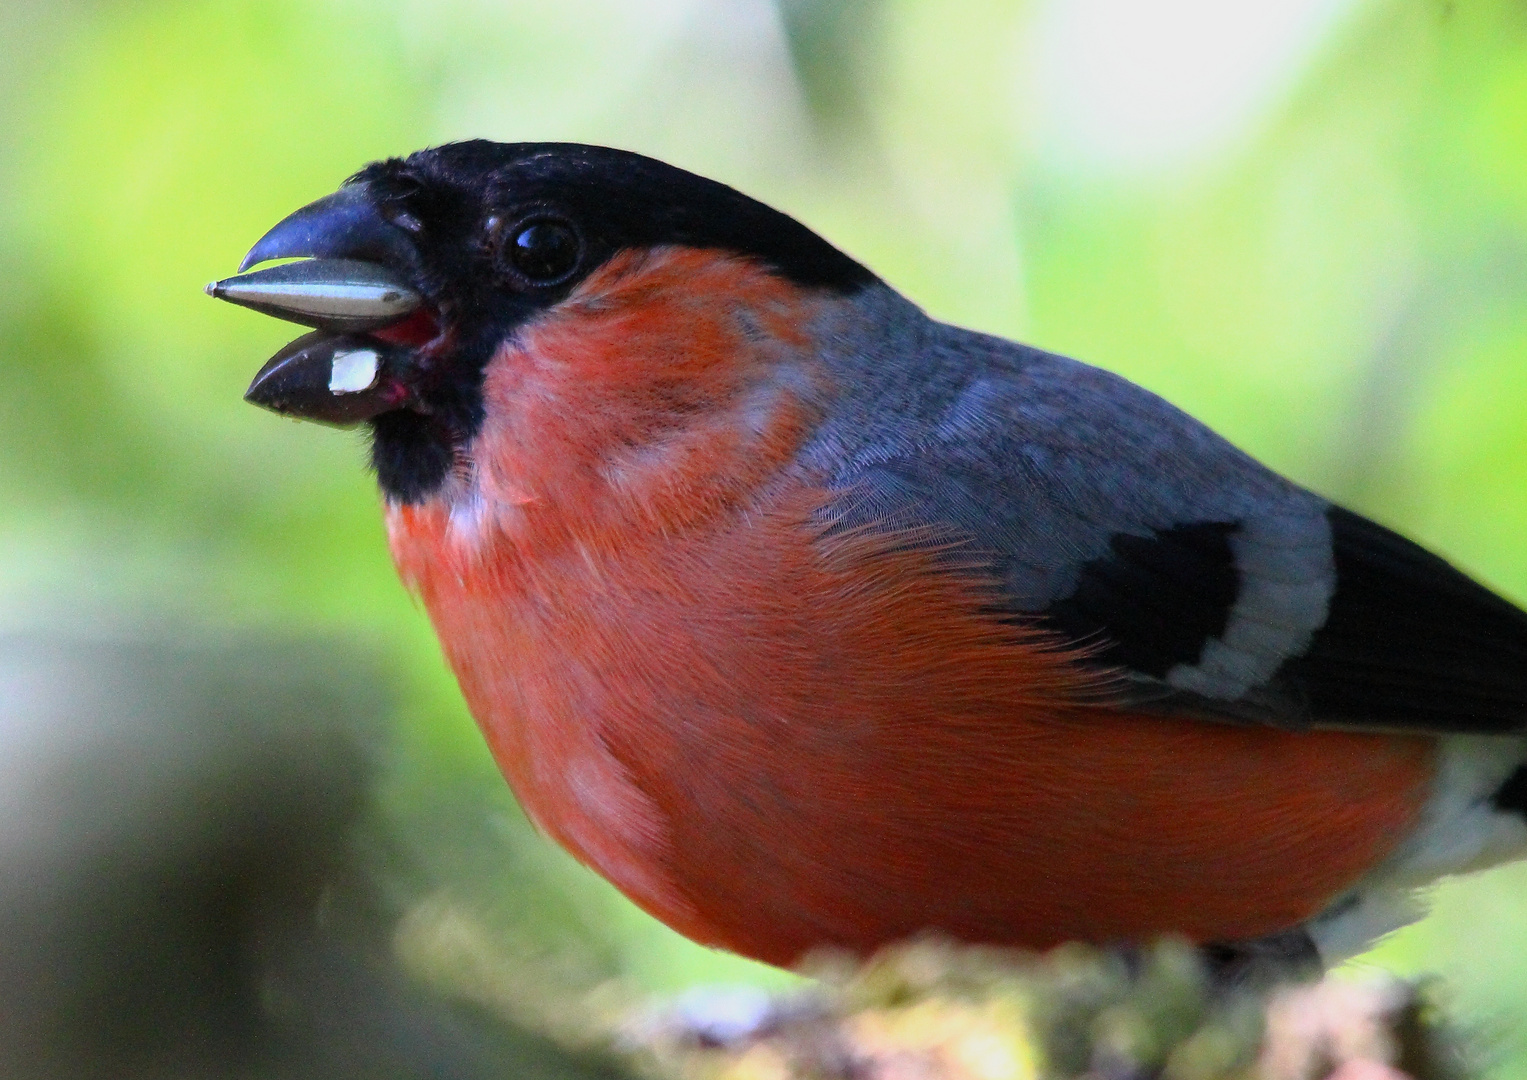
(544, 250)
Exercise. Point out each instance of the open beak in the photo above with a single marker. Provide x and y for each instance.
(355, 282)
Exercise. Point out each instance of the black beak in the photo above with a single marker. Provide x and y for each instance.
(344, 225)
(338, 381)
(357, 277)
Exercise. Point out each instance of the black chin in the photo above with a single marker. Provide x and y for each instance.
(415, 450)
(413, 454)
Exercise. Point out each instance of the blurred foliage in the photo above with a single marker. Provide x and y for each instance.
(1305, 222)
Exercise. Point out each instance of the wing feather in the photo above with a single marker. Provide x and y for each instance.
(1215, 584)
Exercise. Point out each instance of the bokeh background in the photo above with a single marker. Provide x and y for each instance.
(1305, 221)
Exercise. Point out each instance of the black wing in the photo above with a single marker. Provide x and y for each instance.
(1411, 642)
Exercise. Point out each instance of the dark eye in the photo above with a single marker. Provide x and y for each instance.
(545, 250)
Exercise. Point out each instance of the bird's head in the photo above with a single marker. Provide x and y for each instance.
(562, 300)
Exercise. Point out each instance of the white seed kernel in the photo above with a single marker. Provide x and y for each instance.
(353, 371)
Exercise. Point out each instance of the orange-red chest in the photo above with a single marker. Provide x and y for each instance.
(771, 748)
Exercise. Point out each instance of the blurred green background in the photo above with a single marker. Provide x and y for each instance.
(1305, 221)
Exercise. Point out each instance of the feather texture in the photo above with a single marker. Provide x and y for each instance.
(776, 731)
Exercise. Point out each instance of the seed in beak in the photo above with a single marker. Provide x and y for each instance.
(353, 371)
(332, 294)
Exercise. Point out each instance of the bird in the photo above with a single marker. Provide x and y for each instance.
(810, 621)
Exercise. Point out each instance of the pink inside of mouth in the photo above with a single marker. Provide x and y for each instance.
(418, 328)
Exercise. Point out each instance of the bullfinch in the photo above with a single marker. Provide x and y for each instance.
(808, 620)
